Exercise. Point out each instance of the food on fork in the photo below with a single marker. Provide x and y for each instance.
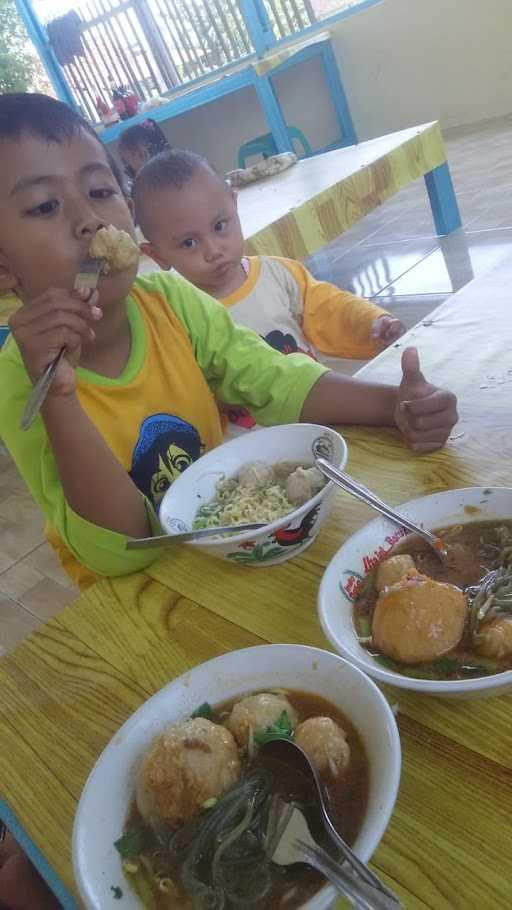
(116, 247)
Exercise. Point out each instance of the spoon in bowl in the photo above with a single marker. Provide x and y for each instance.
(347, 483)
(294, 759)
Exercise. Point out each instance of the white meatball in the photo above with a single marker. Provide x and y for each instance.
(186, 765)
(495, 638)
(303, 484)
(256, 475)
(115, 246)
(418, 619)
(257, 712)
(325, 744)
(393, 569)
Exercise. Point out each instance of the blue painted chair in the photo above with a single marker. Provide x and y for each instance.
(265, 145)
(4, 331)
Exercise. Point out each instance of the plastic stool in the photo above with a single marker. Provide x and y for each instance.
(265, 145)
(4, 331)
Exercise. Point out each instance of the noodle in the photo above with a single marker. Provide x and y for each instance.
(259, 495)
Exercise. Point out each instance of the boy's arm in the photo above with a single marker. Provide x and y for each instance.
(244, 370)
(336, 322)
(83, 491)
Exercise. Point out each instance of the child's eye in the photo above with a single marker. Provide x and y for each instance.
(46, 208)
(189, 243)
(221, 226)
(105, 193)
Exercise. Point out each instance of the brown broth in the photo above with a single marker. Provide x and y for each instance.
(468, 560)
(346, 798)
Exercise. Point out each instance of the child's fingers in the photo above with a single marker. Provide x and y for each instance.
(445, 418)
(59, 338)
(437, 401)
(54, 321)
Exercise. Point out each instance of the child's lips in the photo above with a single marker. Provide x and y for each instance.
(222, 268)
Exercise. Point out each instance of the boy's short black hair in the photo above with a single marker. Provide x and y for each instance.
(40, 115)
(47, 119)
(173, 168)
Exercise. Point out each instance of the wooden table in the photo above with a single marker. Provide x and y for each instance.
(70, 685)
(297, 212)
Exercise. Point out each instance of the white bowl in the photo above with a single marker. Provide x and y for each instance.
(361, 552)
(109, 789)
(299, 442)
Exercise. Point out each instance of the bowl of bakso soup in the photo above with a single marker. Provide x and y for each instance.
(265, 476)
(391, 607)
(179, 811)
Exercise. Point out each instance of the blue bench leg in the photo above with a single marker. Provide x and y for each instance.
(338, 97)
(443, 201)
(273, 113)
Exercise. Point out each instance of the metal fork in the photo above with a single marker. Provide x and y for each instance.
(87, 277)
(294, 844)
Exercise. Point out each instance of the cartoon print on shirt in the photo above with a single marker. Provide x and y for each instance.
(166, 446)
(286, 344)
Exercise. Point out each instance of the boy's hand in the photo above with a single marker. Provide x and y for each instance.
(424, 414)
(386, 330)
(55, 320)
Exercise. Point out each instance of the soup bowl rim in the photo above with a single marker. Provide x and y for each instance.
(366, 662)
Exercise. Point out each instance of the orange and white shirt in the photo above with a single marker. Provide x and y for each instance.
(293, 312)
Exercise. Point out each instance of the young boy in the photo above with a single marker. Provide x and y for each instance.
(132, 403)
(189, 217)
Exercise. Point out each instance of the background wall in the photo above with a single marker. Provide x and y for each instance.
(403, 62)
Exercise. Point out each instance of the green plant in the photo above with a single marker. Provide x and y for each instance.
(19, 69)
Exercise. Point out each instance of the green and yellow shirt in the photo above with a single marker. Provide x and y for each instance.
(158, 416)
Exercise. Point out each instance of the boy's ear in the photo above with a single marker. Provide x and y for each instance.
(147, 249)
(8, 280)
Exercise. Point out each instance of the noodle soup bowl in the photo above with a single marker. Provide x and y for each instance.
(110, 788)
(372, 543)
(279, 540)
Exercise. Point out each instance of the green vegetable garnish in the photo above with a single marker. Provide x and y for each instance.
(116, 891)
(282, 729)
(131, 844)
(204, 710)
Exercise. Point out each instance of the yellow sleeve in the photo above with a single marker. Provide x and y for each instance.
(336, 322)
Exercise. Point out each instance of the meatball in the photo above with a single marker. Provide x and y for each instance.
(303, 484)
(115, 246)
(325, 744)
(186, 765)
(393, 569)
(418, 619)
(257, 475)
(495, 638)
(258, 712)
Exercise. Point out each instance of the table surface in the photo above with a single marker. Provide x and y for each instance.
(70, 685)
(299, 211)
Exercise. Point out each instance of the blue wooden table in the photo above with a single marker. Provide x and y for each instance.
(258, 73)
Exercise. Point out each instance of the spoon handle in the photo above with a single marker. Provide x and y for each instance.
(361, 492)
(165, 540)
(363, 871)
(361, 895)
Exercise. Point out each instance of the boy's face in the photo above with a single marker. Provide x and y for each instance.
(54, 196)
(197, 231)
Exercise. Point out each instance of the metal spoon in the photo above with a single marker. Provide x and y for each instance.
(164, 540)
(347, 483)
(288, 753)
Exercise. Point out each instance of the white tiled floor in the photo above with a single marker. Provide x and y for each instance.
(393, 255)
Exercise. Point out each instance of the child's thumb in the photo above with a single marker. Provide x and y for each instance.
(411, 366)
